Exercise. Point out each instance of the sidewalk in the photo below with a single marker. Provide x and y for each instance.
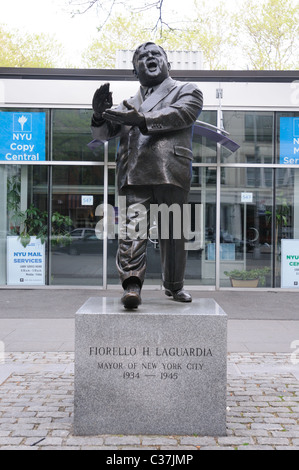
(43, 320)
(36, 374)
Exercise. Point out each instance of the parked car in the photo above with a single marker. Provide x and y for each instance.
(84, 240)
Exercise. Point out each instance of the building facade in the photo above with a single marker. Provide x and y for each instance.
(56, 185)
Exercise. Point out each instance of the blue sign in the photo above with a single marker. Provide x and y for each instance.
(22, 136)
(289, 140)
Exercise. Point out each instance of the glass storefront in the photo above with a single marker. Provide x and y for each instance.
(242, 204)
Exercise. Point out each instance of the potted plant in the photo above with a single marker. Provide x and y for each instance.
(33, 222)
(250, 278)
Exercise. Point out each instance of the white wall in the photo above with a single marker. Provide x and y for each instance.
(79, 93)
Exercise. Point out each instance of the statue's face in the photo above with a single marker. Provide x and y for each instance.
(151, 66)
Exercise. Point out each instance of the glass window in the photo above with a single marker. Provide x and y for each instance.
(258, 127)
(23, 225)
(202, 226)
(246, 236)
(72, 134)
(112, 149)
(77, 257)
(254, 132)
(286, 228)
(200, 269)
(49, 214)
(204, 149)
(112, 229)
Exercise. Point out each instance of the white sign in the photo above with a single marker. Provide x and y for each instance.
(86, 200)
(290, 263)
(25, 266)
(247, 197)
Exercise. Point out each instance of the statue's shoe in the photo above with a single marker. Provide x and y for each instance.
(179, 295)
(131, 297)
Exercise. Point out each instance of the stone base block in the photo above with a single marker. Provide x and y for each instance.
(158, 370)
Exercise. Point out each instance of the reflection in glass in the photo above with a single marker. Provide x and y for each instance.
(200, 269)
(112, 237)
(202, 225)
(254, 132)
(71, 135)
(76, 193)
(205, 150)
(24, 218)
(286, 220)
(246, 236)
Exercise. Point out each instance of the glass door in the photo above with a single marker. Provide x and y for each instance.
(246, 235)
(77, 257)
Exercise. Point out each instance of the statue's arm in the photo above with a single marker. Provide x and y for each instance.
(181, 113)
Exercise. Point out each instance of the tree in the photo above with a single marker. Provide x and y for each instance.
(106, 9)
(122, 32)
(20, 49)
(202, 32)
(264, 33)
(269, 34)
(208, 31)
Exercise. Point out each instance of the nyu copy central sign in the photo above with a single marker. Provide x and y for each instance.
(22, 136)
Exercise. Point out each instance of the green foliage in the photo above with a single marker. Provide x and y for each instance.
(259, 34)
(33, 221)
(264, 35)
(199, 33)
(249, 275)
(121, 33)
(21, 49)
(282, 215)
(269, 32)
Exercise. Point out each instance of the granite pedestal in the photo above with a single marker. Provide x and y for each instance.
(160, 369)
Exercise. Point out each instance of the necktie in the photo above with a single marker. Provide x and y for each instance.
(148, 92)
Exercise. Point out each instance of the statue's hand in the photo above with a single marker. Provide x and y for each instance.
(129, 118)
(102, 100)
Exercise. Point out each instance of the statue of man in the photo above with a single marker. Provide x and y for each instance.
(154, 162)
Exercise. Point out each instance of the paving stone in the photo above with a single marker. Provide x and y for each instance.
(83, 441)
(159, 441)
(36, 409)
(122, 440)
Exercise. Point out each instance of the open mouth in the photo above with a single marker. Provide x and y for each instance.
(152, 65)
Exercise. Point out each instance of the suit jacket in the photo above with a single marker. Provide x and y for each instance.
(161, 153)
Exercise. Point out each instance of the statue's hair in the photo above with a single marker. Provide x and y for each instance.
(136, 53)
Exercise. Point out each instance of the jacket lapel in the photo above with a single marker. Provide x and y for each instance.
(136, 100)
(158, 95)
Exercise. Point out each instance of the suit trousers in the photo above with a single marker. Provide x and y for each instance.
(142, 202)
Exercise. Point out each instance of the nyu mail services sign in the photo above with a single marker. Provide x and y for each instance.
(22, 136)
(289, 140)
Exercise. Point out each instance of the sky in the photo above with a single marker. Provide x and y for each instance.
(52, 16)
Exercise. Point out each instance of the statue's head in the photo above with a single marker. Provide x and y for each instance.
(150, 64)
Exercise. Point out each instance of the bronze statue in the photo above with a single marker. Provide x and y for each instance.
(154, 161)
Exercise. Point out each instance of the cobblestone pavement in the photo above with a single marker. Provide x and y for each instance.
(36, 407)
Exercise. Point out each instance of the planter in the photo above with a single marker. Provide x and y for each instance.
(251, 278)
(244, 282)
